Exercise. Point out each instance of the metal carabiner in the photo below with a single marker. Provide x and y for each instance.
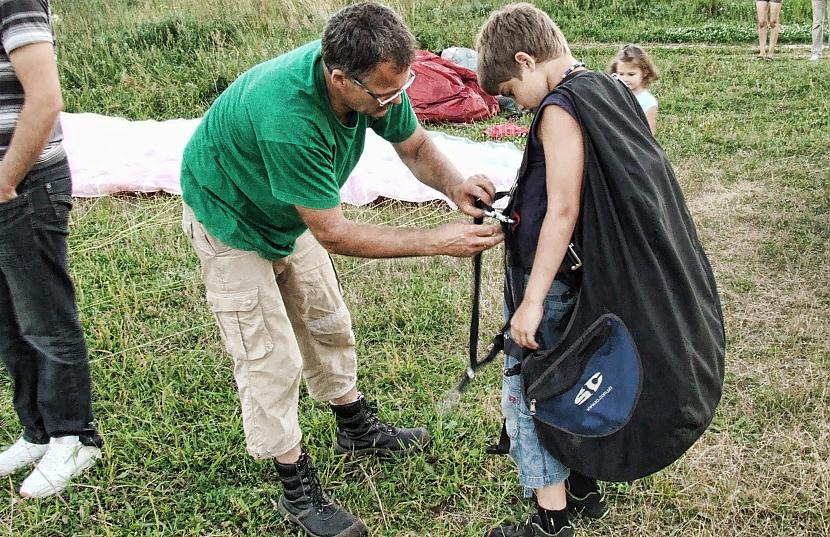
(577, 262)
(490, 212)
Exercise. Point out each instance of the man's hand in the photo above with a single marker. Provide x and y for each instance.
(7, 193)
(465, 194)
(463, 239)
(525, 323)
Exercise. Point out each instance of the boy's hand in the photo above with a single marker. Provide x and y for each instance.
(525, 323)
(475, 187)
(7, 193)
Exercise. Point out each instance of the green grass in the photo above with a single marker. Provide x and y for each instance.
(749, 144)
(160, 59)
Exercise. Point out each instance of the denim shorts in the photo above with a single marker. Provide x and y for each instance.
(537, 467)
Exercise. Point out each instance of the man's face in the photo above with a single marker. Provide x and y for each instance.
(386, 81)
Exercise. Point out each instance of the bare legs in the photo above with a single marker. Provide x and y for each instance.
(768, 15)
(761, 9)
(552, 497)
(774, 12)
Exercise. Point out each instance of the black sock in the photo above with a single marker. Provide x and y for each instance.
(580, 485)
(553, 521)
(349, 410)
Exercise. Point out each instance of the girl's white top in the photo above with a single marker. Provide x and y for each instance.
(647, 100)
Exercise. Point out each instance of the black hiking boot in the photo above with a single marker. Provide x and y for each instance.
(360, 432)
(585, 497)
(532, 527)
(304, 503)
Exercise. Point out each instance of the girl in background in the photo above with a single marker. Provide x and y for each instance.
(635, 68)
(768, 12)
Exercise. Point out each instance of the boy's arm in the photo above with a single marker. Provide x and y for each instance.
(561, 139)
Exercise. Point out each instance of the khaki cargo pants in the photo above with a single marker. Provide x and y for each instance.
(280, 321)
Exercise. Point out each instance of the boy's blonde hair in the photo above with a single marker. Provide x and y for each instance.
(639, 57)
(515, 28)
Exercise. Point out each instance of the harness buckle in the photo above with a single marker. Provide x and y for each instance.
(577, 262)
(513, 371)
(493, 213)
(490, 212)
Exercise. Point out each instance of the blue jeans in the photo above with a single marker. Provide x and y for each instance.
(41, 341)
(537, 468)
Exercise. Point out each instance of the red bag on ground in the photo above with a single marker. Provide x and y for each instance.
(444, 91)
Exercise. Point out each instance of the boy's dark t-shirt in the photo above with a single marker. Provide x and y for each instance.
(529, 203)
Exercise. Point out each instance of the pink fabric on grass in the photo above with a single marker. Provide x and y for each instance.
(110, 154)
(503, 130)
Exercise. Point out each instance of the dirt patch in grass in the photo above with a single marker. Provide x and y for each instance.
(763, 466)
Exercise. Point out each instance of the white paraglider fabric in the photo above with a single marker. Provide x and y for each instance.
(109, 154)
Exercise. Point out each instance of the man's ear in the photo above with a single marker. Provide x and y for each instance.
(525, 60)
(338, 77)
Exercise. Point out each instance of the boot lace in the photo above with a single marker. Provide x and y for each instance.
(370, 410)
(317, 496)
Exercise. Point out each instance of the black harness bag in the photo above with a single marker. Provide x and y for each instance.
(637, 375)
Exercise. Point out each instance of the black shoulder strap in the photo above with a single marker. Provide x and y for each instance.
(498, 341)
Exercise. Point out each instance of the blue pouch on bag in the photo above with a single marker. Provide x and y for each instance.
(601, 386)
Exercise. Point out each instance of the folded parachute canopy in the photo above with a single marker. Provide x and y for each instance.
(445, 92)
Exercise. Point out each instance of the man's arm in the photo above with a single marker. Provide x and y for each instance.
(37, 71)
(435, 170)
(341, 236)
(565, 163)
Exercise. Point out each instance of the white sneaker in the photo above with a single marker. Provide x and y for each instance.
(19, 455)
(815, 57)
(66, 458)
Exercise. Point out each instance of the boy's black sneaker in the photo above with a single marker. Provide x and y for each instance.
(587, 499)
(360, 432)
(532, 527)
(304, 503)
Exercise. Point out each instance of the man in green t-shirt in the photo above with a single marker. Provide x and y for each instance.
(260, 180)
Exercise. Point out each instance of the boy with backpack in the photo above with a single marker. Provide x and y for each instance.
(616, 343)
(523, 55)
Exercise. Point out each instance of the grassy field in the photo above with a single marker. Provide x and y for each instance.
(749, 141)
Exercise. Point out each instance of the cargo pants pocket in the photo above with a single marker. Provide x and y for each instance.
(242, 323)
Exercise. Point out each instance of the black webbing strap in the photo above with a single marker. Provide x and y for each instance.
(498, 340)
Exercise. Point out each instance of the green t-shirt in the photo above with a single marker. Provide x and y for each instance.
(272, 141)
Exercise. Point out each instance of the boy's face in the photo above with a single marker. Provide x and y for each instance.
(631, 74)
(528, 90)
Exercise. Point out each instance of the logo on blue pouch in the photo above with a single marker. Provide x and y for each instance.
(589, 388)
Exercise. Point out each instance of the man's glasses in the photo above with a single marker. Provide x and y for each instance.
(384, 102)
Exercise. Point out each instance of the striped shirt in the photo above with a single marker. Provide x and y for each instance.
(23, 22)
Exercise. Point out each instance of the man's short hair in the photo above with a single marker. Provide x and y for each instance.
(515, 28)
(359, 37)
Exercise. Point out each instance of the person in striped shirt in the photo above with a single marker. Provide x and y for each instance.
(41, 341)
